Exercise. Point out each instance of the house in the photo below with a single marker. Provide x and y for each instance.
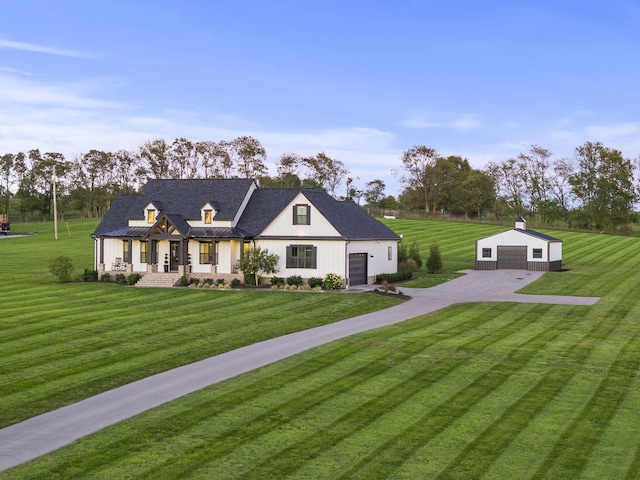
(202, 227)
(519, 248)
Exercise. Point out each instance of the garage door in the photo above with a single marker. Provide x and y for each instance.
(512, 257)
(357, 268)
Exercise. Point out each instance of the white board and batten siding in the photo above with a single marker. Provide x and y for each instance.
(382, 256)
(522, 244)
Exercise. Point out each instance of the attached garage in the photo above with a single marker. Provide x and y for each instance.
(520, 249)
(358, 268)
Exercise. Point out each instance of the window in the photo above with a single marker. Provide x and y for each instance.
(302, 215)
(537, 253)
(144, 252)
(126, 251)
(301, 256)
(389, 253)
(486, 253)
(208, 216)
(207, 253)
(151, 216)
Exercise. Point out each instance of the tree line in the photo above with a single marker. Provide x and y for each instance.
(597, 189)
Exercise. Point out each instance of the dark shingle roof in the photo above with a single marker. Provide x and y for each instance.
(178, 198)
(182, 200)
(186, 197)
(351, 221)
(116, 217)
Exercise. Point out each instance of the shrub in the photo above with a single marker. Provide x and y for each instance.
(184, 281)
(414, 254)
(315, 282)
(393, 277)
(332, 281)
(387, 287)
(294, 280)
(120, 278)
(61, 267)
(90, 275)
(133, 278)
(236, 282)
(277, 281)
(106, 277)
(194, 281)
(434, 262)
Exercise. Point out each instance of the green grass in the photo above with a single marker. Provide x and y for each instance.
(483, 390)
(64, 342)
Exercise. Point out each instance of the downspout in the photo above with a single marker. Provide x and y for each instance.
(346, 264)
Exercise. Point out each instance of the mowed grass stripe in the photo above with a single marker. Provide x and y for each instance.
(437, 421)
(403, 342)
(526, 452)
(573, 451)
(480, 454)
(429, 371)
(381, 430)
(388, 400)
(232, 440)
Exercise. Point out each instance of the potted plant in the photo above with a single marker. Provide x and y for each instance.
(166, 262)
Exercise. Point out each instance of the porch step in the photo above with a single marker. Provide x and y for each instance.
(160, 280)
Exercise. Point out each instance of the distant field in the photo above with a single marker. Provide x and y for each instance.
(484, 390)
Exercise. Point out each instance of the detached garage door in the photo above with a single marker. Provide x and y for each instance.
(357, 269)
(512, 257)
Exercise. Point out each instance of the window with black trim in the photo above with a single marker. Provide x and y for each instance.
(389, 253)
(302, 214)
(537, 253)
(144, 252)
(126, 252)
(207, 253)
(301, 256)
(208, 216)
(151, 216)
(486, 253)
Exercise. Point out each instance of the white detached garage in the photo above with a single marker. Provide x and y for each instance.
(519, 248)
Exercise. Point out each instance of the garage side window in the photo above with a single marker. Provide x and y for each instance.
(537, 253)
(486, 253)
(301, 256)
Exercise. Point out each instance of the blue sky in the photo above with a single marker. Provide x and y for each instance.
(360, 80)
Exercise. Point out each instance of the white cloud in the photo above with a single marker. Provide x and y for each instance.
(30, 47)
(465, 122)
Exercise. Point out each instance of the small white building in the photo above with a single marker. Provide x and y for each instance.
(519, 248)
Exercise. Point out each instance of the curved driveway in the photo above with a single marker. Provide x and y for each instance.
(47, 432)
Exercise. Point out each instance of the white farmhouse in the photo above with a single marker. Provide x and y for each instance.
(519, 248)
(202, 227)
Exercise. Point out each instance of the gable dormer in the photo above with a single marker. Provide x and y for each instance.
(208, 212)
(151, 212)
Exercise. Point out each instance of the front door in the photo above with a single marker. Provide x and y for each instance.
(174, 256)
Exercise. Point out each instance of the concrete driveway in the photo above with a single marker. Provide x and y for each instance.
(47, 432)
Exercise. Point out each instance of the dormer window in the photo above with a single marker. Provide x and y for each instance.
(151, 216)
(302, 214)
(208, 216)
